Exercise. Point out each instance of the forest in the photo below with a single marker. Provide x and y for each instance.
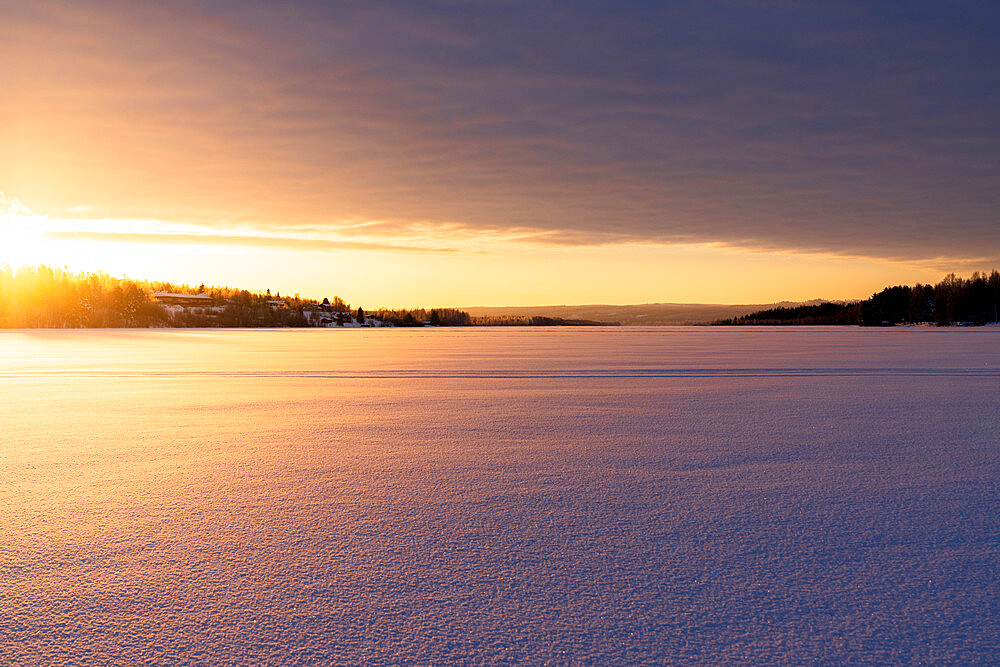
(42, 297)
(954, 300)
(536, 321)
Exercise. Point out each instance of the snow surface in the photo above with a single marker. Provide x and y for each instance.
(329, 496)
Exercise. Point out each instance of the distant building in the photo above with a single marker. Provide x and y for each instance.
(187, 300)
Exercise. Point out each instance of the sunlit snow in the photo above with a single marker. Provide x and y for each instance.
(698, 495)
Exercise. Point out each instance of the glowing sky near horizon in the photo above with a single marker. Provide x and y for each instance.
(495, 153)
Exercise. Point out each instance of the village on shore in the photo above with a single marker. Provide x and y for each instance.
(45, 297)
(181, 306)
(242, 309)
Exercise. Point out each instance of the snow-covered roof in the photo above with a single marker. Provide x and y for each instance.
(174, 295)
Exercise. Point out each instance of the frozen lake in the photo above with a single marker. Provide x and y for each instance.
(615, 495)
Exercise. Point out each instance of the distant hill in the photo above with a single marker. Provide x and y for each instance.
(646, 314)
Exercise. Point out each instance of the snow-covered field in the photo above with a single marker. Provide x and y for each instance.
(697, 495)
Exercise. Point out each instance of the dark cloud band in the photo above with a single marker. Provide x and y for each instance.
(855, 127)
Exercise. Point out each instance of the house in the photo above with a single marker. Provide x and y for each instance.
(186, 300)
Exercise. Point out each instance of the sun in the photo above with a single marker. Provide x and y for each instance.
(21, 239)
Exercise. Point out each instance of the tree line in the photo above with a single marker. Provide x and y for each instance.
(954, 300)
(535, 321)
(43, 297)
(452, 317)
(35, 297)
(418, 317)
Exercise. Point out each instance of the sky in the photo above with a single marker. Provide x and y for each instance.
(504, 153)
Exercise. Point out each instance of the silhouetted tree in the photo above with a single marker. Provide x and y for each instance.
(975, 300)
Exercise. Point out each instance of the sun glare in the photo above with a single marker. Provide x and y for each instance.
(21, 241)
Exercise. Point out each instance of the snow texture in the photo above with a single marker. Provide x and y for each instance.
(530, 496)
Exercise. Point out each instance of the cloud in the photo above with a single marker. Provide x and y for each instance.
(12, 207)
(269, 242)
(837, 127)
